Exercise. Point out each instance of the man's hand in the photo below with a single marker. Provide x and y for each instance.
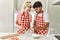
(40, 28)
(45, 26)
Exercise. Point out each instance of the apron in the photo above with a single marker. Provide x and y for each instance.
(25, 22)
(39, 20)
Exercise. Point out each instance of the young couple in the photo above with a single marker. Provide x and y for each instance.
(24, 19)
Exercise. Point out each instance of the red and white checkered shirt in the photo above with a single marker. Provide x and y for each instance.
(39, 20)
(24, 20)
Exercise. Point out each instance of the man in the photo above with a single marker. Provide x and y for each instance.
(41, 21)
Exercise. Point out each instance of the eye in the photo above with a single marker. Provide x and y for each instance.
(30, 7)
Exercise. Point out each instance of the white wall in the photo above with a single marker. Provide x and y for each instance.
(54, 12)
(54, 1)
(6, 15)
(20, 3)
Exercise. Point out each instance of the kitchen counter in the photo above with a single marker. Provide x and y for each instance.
(28, 37)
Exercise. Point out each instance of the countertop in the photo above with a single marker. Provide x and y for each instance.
(29, 37)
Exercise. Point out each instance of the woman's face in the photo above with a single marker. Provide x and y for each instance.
(28, 9)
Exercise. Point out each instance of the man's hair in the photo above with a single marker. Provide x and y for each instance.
(37, 4)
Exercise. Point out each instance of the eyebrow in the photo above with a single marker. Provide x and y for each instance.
(28, 2)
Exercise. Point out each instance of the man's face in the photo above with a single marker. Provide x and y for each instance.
(38, 9)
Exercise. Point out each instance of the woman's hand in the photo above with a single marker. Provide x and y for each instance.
(21, 27)
(14, 38)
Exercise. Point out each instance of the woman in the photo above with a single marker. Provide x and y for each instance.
(24, 18)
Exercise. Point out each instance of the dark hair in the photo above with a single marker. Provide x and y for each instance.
(37, 4)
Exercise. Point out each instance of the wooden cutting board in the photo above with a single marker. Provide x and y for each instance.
(9, 36)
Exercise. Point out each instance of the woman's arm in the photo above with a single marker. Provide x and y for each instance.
(18, 18)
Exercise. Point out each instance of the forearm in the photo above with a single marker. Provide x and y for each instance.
(34, 24)
(45, 26)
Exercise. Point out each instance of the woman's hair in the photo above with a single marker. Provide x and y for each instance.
(27, 3)
(37, 4)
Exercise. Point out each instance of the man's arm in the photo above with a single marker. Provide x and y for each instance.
(45, 26)
(46, 20)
